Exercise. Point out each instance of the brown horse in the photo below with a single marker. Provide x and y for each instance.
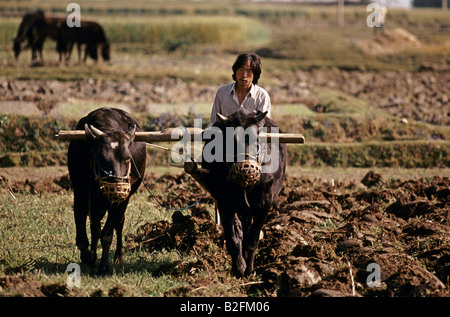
(25, 32)
(90, 34)
(35, 28)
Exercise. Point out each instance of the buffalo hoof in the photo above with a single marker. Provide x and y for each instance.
(238, 270)
(88, 257)
(119, 257)
(104, 269)
(249, 270)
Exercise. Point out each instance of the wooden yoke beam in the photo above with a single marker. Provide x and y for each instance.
(176, 134)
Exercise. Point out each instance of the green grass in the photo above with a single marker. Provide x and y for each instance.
(31, 229)
(413, 154)
(77, 109)
(336, 102)
(284, 110)
(356, 174)
(37, 235)
(169, 33)
(8, 31)
(38, 240)
(177, 32)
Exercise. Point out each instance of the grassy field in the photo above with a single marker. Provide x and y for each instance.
(34, 226)
(151, 39)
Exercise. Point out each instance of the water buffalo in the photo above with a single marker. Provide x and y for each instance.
(106, 170)
(245, 189)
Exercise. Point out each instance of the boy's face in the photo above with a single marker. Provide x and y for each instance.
(244, 75)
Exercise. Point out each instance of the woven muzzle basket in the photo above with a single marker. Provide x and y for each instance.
(245, 173)
(116, 191)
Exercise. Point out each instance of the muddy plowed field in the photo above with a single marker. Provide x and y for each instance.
(322, 237)
(373, 237)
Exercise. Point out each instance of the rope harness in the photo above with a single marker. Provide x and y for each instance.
(116, 189)
(156, 198)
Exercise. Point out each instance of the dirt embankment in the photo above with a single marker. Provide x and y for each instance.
(423, 96)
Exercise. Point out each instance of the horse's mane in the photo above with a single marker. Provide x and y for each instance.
(27, 21)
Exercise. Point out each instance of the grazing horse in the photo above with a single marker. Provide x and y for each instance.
(243, 184)
(89, 33)
(25, 32)
(106, 170)
(35, 28)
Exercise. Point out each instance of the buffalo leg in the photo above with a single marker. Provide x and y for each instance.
(80, 214)
(251, 242)
(119, 255)
(232, 227)
(114, 214)
(95, 234)
(40, 55)
(106, 239)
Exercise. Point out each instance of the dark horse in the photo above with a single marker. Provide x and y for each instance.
(35, 28)
(89, 33)
(106, 170)
(244, 193)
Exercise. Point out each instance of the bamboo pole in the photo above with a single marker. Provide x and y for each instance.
(176, 134)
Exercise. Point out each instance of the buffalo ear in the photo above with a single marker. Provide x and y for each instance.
(92, 132)
(131, 132)
(222, 118)
(261, 115)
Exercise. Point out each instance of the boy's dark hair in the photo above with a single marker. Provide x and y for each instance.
(255, 65)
